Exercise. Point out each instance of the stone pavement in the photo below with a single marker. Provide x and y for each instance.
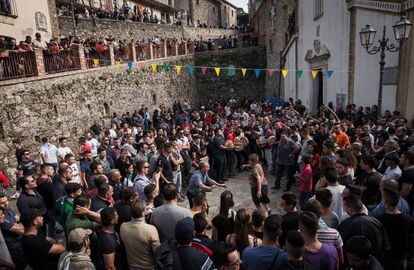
(240, 188)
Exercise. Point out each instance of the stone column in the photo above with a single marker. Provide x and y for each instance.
(151, 51)
(78, 56)
(176, 48)
(112, 54)
(133, 51)
(405, 83)
(185, 48)
(40, 64)
(165, 49)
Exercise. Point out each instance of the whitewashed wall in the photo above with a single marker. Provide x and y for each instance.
(367, 66)
(289, 80)
(25, 22)
(334, 34)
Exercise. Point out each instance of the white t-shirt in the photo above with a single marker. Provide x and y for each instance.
(94, 144)
(49, 153)
(337, 204)
(76, 178)
(63, 151)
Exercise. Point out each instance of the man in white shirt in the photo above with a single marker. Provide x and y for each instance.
(49, 153)
(393, 171)
(63, 150)
(39, 43)
(93, 143)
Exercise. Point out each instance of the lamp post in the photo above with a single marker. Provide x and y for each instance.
(72, 10)
(401, 32)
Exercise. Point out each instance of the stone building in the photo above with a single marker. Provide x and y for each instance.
(273, 20)
(214, 13)
(18, 19)
(328, 39)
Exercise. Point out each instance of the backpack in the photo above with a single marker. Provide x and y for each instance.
(166, 256)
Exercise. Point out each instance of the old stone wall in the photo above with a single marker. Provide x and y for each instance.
(67, 104)
(212, 86)
(207, 12)
(132, 30)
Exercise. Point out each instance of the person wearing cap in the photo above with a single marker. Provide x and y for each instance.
(77, 257)
(40, 253)
(190, 258)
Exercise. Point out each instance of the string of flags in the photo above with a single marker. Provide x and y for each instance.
(231, 70)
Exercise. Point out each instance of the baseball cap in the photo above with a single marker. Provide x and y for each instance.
(184, 231)
(77, 235)
(29, 215)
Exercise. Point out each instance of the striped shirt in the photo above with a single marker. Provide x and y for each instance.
(330, 236)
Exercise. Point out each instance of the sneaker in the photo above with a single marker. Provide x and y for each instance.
(15, 195)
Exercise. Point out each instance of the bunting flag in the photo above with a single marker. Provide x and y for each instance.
(191, 70)
(166, 67)
(299, 73)
(107, 63)
(178, 68)
(217, 69)
(314, 73)
(141, 65)
(203, 70)
(95, 62)
(129, 65)
(271, 72)
(244, 71)
(257, 72)
(117, 64)
(284, 73)
(154, 67)
(231, 70)
(329, 73)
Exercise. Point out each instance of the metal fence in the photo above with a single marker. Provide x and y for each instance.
(14, 64)
(59, 62)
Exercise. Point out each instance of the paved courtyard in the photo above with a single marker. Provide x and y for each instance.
(240, 188)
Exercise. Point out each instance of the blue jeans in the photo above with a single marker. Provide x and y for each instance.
(178, 181)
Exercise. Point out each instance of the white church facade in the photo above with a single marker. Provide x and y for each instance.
(328, 39)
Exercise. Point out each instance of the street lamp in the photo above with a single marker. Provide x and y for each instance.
(401, 32)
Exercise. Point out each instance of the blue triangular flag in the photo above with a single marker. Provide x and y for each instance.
(107, 63)
(329, 73)
(130, 65)
(191, 69)
(257, 72)
(231, 71)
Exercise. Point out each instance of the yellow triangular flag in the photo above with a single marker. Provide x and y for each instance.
(154, 67)
(217, 71)
(178, 68)
(284, 73)
(118, 63)
(314, 73)
(244, 71)
(95, 62)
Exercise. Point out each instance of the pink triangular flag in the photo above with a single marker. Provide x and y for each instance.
(203, 70)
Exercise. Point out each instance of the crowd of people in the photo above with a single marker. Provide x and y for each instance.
(133, 195)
